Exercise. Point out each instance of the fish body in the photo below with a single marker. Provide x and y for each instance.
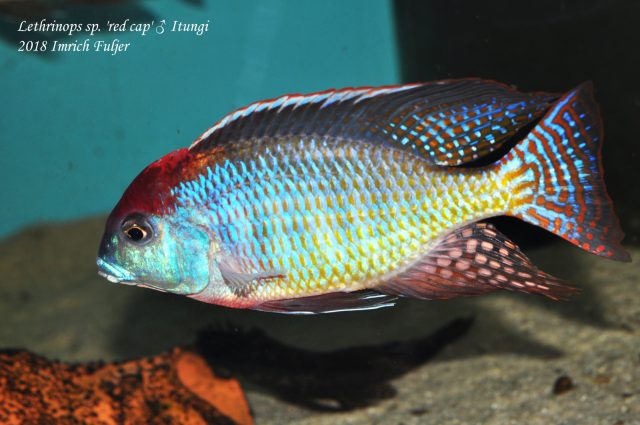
(345, 199)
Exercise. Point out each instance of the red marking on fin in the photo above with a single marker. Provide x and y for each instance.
(474, 260)
(563, 157)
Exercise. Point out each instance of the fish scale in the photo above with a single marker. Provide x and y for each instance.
(362, 224)
(345, 199)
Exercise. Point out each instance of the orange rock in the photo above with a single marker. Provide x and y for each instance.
(196, 375)
(173, 388)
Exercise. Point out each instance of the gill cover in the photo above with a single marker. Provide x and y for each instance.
(170, 260)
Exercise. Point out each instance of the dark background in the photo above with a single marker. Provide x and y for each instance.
(546, 45)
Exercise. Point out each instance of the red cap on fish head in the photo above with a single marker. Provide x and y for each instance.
(149, 192)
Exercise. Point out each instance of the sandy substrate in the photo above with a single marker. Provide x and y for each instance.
(501, 370)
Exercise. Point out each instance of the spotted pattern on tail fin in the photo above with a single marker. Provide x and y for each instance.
(558, 172)
(474, 260)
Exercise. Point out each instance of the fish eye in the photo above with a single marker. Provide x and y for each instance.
(136, 233)
(137, 229)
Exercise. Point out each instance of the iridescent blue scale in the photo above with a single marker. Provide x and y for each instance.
(331, 214)
(296, 204)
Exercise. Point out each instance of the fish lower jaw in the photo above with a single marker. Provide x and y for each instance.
(114, 279)
(113, 273)
(111, 278)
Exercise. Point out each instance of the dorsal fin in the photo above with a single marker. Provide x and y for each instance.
(449, 122)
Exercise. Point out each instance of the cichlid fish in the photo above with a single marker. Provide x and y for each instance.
(347, 199)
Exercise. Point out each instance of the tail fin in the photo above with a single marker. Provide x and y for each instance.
(557, 175)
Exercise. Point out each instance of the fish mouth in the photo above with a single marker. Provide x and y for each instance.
(114, 273)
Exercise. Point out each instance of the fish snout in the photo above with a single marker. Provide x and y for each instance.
(107, 247)
(106, 263)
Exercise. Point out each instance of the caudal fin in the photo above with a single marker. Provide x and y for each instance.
(557, 175)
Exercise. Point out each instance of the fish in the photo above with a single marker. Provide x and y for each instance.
(348, 199)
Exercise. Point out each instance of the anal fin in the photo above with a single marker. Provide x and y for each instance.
(329, 303)
(474, 260)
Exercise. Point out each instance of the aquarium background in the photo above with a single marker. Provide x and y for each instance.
(75, 129)
(543, 45)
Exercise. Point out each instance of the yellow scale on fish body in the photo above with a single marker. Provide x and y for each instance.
(346, 199)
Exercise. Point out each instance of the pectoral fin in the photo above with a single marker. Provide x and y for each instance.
(243, 283)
